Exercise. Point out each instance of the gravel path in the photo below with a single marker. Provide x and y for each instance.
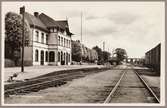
(152, 79)
(89, 89)
(154, 83)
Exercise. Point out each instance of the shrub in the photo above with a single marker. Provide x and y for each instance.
(9, 63)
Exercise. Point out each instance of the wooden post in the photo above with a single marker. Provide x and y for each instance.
(81, 40)
(22, 11)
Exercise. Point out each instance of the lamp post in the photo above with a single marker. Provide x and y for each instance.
(22, 11)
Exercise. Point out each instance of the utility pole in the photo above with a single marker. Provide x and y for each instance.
(81, 38)
(22, 11)
(103, 51)
(103, 46)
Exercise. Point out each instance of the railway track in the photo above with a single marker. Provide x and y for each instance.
(36, 84)
(118, 88)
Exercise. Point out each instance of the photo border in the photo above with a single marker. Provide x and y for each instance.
(163, 53)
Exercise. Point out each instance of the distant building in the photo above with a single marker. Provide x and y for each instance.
(137, 61)
(49, 42)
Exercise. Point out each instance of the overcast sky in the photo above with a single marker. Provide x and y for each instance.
(134, 26)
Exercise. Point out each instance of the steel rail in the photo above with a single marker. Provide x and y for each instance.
(30, 84)
(147, 86)
(36, 84)
(32, 81)
(107, 100)
(40, 79)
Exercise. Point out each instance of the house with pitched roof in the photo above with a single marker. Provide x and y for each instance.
(49, 42)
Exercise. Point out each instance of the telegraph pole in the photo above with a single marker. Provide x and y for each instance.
(22, 11)
(103, 51)
(81, 38)
(103, 46)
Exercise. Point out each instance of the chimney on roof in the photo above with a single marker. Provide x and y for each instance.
(36, 14)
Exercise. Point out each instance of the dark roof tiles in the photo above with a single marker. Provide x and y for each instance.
(44, 22)
(34, 21)
(49, 22)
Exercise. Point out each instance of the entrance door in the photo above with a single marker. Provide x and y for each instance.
(66, 58)
(42, 57)
(62, 58)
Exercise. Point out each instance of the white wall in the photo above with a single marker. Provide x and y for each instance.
(39, 46)
(53, 41)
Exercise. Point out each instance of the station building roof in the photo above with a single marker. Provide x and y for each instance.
(45, 22)
(35, 22)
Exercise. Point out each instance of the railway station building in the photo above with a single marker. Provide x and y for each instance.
(49, 41)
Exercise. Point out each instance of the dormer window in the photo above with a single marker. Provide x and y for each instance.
(51, 30)
(55, 29)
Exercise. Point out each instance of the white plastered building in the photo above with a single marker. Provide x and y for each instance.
(49, 41)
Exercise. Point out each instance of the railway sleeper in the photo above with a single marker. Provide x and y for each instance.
(35, 88)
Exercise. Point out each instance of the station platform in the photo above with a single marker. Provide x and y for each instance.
(35, 71)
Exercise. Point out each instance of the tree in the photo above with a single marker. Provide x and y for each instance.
(87, 54)
(99, 53)
(120, 54)
(106, 56)
(93, 55)
(13, 36)
(76, 51)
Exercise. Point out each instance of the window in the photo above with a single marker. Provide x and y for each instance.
(55, 29)
(62, 41)
(61, 30)
(61, 56)
(58, 40)
(36, 55)
(37, 36)
(64, 57)
(46, 56)
(42, 37)
(26, 42)
(51, 29)
(69, 57)
(58, 56)
(46, 39)
(65, 33)
(51, 56)
(69, 43)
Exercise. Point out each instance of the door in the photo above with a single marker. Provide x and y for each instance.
(42, 57)
(61, 58)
